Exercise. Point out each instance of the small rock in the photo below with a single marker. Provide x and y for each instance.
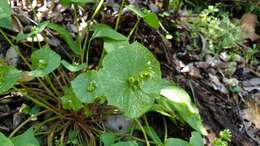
(201, 64)
(117, 123)
(72, 28)
(216, 84)
(53, 42)
(216, 63)
(224, 56)
(17, 119)
(11, 57)
(191, 70)
(230, 82)
(230, 68)
(153, 8)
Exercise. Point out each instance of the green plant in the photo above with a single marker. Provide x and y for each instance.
(149, 17)
(27, 138)
(225, 137)
(216, 28)
(126, 81)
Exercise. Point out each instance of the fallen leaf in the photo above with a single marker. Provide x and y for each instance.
(252, 113)
(247, 24)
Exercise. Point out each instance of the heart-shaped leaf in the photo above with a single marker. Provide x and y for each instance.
(73, 45)
(44, 61)
(110, 33)
(136, 10)
(129, 79)
(196, 139)
(5, 141)
(70, 101)
(8, 77)
(127, 143)
(108, 138)
(5, 14)
(151, 19)
(41, 26)
(180, 101)
(176, 142)
(73, 67)
(26, 139)
(84, 86)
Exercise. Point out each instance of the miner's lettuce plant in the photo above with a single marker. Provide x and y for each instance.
(127, 80)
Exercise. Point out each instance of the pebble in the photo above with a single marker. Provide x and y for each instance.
(11, 57)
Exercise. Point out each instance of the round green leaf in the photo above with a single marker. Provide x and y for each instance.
(44, 61)
(127, 143)
(151, 19)
(176, 142)
(129, 79)
(73, 67)
(5, 14)
(180, 101)
(5, 141)
(196, 139)
(26, 139)
(84, 86)
(8, 77)
(70, 101)
(110, 33)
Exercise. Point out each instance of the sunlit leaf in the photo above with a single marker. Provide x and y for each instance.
(26, 139)
(38, 29)
(108, 138)
(5, 141)
(73, 45)
(8, 77)
(73, 67)
(136, 10)
(67, 2)
(5, 14)
(180, 101)
(196, 139)
(151, 19)
(130, 78)
(152, 134)
(176, 142)
(84, 86)
(44, 61)
(105, 32)
(128, 143)
(70, 101)
(111, 45)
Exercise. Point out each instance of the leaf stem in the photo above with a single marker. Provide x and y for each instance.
(25, 122)
(97, 9)
(52, 86)
(142, 129)
(134, 28)
(119, 14)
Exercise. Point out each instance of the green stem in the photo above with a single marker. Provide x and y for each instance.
(52, 86)
(119, 14)
(87, 51)
(24, 123)
(36, 101)
(165, 130)
(97, 9)
(58, 81)
(45, 121)
(17, 50)
(142, 129)
(85, 44)
(134, 28)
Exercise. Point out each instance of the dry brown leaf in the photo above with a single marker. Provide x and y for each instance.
(247, 24)
(252, 113)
